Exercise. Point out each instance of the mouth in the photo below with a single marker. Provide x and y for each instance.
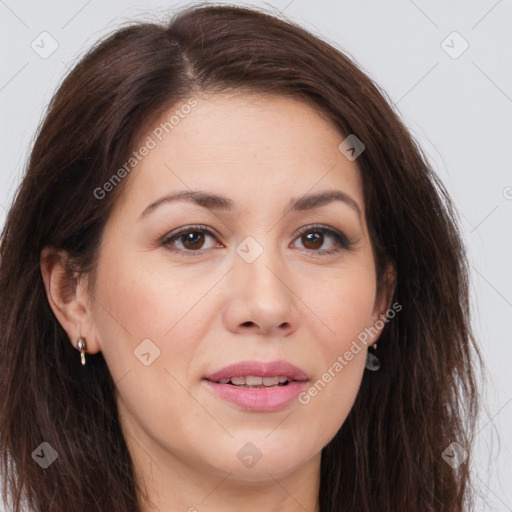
(258, 373)
(255, 382)
(258, 386)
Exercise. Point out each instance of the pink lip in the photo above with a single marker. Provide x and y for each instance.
(261, 400)
(259, 369)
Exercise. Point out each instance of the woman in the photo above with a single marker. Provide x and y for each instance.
(220, 219)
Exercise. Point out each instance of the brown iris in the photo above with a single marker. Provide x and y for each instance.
(315, 238)
(193, 240)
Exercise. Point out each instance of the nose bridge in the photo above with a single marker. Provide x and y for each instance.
(260, 260)
(262, 283)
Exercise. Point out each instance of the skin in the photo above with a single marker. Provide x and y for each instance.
(212, 308)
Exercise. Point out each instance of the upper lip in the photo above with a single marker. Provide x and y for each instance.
(259, 369)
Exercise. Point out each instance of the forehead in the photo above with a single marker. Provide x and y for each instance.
(260, 150)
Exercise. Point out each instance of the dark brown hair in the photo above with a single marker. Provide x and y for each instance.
(387, 454)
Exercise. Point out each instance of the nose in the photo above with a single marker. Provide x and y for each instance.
(261, 297)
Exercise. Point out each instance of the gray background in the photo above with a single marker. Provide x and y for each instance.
(457, 104)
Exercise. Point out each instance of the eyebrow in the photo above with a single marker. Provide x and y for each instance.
(221, 203)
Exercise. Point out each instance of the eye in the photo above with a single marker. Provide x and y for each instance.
(191, 238)
(314, 237)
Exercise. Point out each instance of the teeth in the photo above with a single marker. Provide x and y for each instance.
(251, 380)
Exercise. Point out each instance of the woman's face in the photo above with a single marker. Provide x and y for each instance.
(185, 288)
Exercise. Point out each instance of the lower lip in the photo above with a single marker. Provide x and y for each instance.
(261, 400)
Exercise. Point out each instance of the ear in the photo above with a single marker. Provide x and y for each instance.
(68, 297)
(383, 300)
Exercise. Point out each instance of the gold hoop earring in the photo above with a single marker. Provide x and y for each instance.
(82, 347)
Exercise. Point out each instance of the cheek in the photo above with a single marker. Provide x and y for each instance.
(150, 301)
(345, 304)
(141, 311)
(140, 300)
(331, 394)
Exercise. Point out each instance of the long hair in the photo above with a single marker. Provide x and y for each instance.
(387, 456)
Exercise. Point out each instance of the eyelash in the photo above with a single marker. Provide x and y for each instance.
(341, 240)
